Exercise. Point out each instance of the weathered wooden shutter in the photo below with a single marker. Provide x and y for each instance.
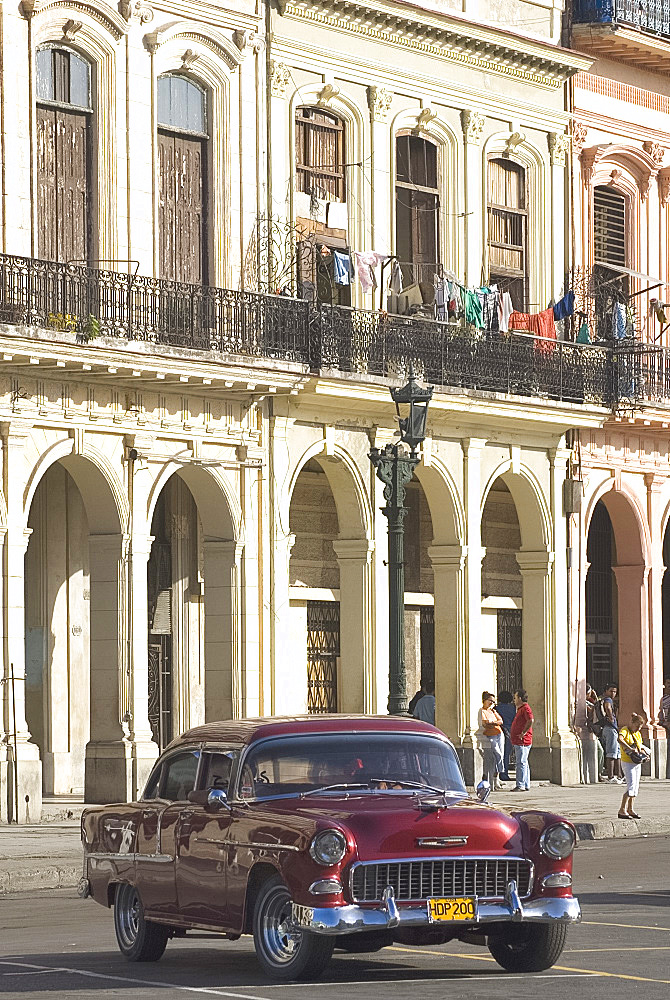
(63, 184)
(181, 224)
(47, 196)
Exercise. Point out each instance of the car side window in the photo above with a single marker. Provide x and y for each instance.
(217, 767)
(179, 776)
(151, 790)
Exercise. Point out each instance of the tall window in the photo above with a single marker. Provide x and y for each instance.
(508, 229)
(64, 155)
(319, 154)
(417, 204)
(609, 227)
(183, 196)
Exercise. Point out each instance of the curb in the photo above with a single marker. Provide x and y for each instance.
(615, 829)
(52, 877)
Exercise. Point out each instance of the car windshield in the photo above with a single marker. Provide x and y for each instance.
(359, 763)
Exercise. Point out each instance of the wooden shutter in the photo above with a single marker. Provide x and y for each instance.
(181, 223)
(609, 226)
(63, 184)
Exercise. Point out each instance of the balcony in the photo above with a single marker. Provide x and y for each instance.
(632, 31)
(91, 304)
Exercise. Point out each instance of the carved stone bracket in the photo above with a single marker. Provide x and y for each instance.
(655, 150)
(589, 158)
(664, 185)
(327, 93)
(424, 118)
(379, 102)
(512, 141)
(189, 59)
(249, 41)
(472, 124)
(136, 10)
(559, 143)
(70, 29)
(579, 133)
(280, 75)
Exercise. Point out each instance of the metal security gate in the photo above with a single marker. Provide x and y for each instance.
(427, 626)
(508, 653)
(323, 650)
(160, 690)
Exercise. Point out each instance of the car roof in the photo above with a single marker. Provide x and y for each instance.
(249, 730)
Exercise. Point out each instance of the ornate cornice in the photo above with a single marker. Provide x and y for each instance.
(472, 124)
(109, 18)
(379, 102)
(559, 143)
(445, 35)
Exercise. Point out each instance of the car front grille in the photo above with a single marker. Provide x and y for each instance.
(444, 877)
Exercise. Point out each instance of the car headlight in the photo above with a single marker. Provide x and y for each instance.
(558, 841)
(328, 847)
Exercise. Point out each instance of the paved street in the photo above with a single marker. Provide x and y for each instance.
(54, 946)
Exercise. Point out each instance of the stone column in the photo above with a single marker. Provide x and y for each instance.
(559, 144)
(29, 766)
(356, 634)
(290, 662)
(381, 209)
(474, 680)
(109, 757)
(144, 749)
(223, 676)
(654, 681)
(473, 126)
(137, 188)
(280, 79)
(448, 562)
(632, 631)
(536, 652)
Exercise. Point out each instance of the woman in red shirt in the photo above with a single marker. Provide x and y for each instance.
(521, 734)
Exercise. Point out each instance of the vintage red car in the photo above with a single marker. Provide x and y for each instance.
(320, 832)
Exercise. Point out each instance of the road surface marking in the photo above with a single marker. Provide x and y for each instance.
(140, 982)
(422, 981)
(635, 927)
(651, 947)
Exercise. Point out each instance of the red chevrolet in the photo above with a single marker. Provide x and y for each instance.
(327, 831)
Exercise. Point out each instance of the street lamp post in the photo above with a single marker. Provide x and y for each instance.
(395, 465)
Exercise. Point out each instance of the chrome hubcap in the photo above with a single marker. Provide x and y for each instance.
(281, 937)
(127, 912)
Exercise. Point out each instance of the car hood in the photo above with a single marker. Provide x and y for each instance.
(398, 825)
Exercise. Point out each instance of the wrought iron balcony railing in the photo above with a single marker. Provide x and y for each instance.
(648, 15)
(90, 303)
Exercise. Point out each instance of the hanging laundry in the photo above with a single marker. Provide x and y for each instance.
(541, 325)
(584, 335)
(565, 306)
(619, 321)
(442, 296)
(505, 310)
(658, 309)
(395, 278)
(455, 303)
(489, 299)
(366, 262)
(342, 268)
(473, 309)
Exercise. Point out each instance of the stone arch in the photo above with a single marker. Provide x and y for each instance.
(209, 487)
(632, 546)
(346, 482)
(531, 504)
(97, 40)
(216, 59)
(446, 506)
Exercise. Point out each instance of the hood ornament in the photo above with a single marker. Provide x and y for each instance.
(442, 841)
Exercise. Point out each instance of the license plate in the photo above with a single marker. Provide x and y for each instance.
(458, 908)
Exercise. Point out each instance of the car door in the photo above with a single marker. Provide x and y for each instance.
(156, 866)
(202, 844)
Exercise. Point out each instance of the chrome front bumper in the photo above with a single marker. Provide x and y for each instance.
(352, 919)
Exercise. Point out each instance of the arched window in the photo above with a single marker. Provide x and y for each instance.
(508, 229)
(183, 194)
(64, 155)
(610, 285)
(417, 203)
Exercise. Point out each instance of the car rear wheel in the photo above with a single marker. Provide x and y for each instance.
(139, 940)
(284, 951)
(528, 948)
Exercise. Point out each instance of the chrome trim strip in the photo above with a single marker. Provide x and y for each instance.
(251, 844)
(566, 876)
(448, 857)
(334, 920)
(442, 841)
(106, 855)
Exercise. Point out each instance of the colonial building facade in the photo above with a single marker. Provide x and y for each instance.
(190, 523)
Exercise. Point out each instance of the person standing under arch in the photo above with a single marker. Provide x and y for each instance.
(521, 732)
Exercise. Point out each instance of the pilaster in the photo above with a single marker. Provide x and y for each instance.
(473, 125)
(448, 562)
(474, 679)
(223, 674)
(354, 557)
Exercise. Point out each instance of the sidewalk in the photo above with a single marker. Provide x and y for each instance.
(49, 856)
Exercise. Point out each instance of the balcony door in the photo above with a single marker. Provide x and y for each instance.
(64, 155)
(182, 165)
(417, 204)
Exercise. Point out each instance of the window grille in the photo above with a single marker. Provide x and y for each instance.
(323, 650)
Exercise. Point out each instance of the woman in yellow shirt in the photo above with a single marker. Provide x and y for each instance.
(630, 739)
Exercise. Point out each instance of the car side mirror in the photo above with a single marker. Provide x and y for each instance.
(483, 791)
(217, 800)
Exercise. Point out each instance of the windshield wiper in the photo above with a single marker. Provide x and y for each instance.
(333, 788)
(409, 784)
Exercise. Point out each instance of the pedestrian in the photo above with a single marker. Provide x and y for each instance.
(664, 720)
(595, 729)
(425, 707)
(611, 736)
(521, 733)
(505, 708)
(633, 752)
(416, 698)
(491, 740)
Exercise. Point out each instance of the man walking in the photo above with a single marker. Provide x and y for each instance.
(611, 737)
(521, 732)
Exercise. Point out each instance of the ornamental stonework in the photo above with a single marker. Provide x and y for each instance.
(379, 102)
(280, 75)
(558, 148)
(579, 133)
(472, 124)
(655, 151)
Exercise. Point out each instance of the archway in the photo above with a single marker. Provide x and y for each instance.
(602, 663)
(73, 644)
(329, 584)
(193, 607)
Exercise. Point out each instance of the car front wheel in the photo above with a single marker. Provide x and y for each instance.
(284, 951)
(139, 940)
(528, 948)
